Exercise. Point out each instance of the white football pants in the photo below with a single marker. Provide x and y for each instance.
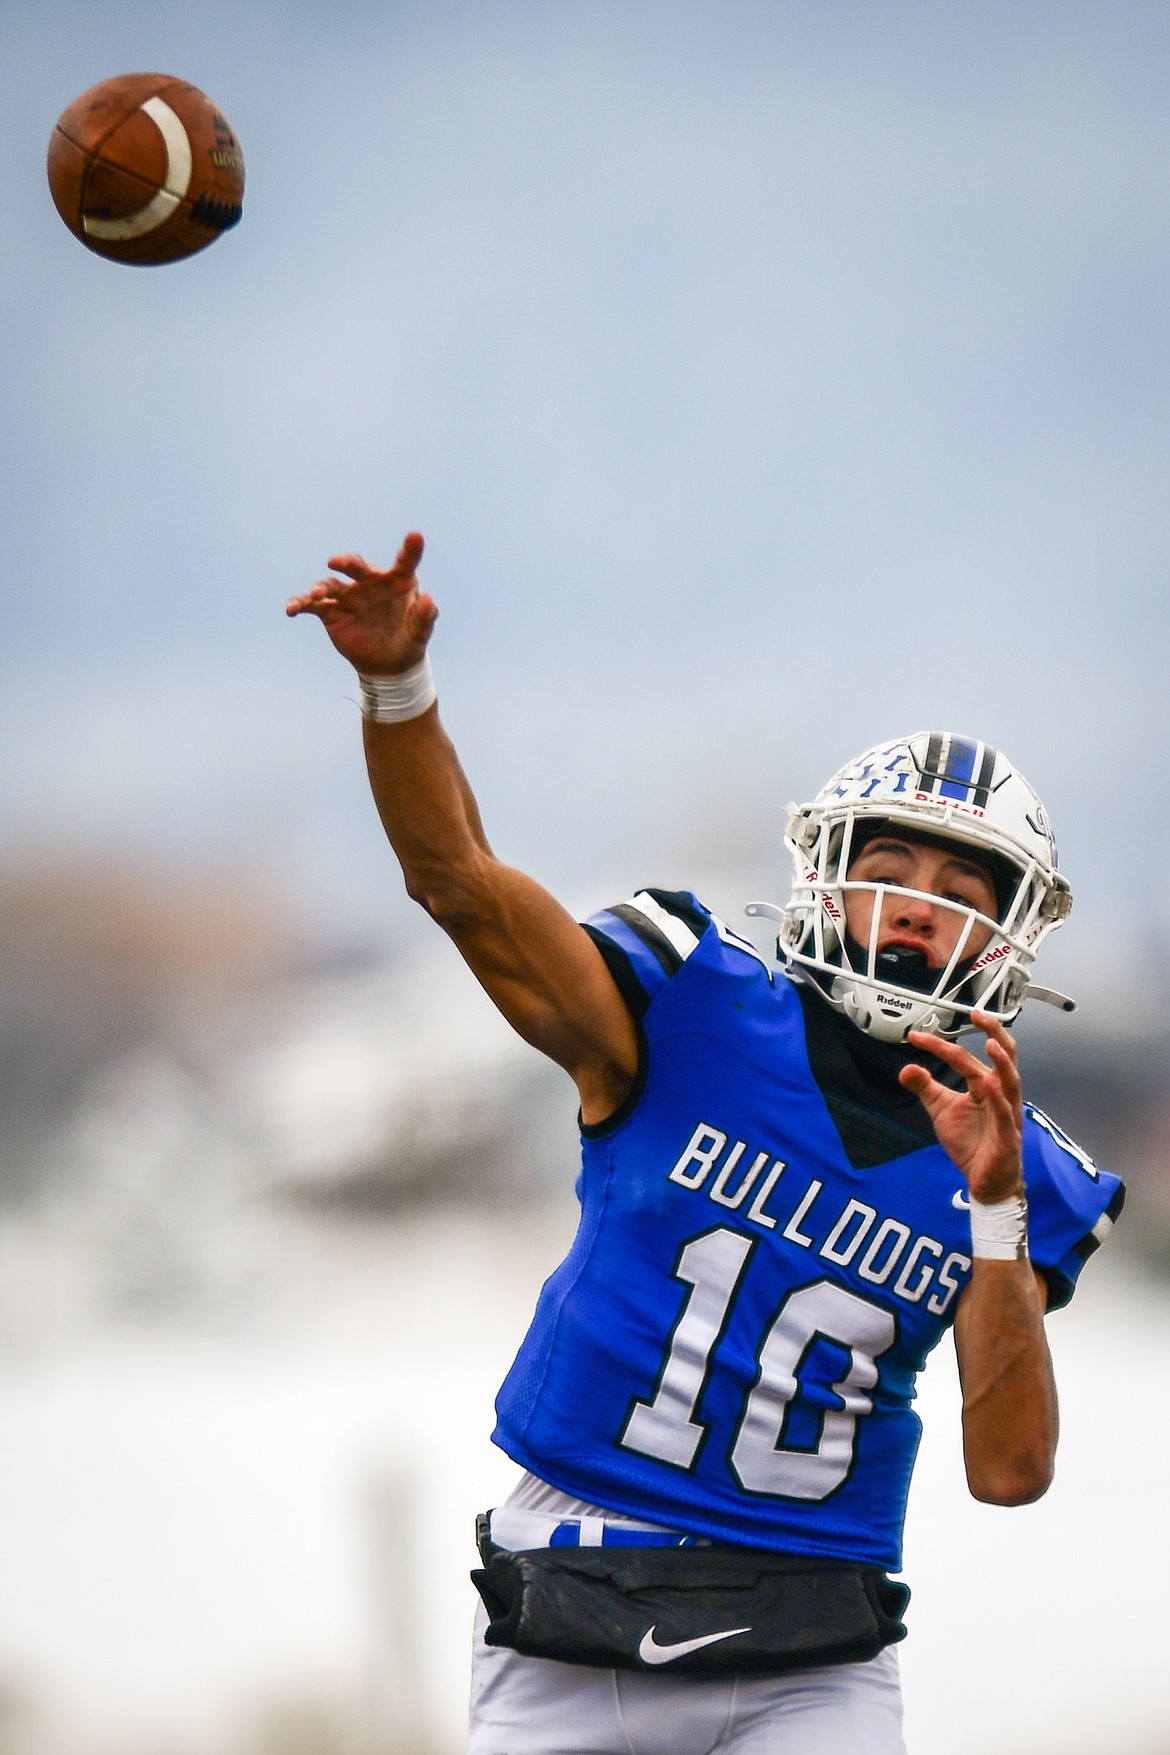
(533, 1706)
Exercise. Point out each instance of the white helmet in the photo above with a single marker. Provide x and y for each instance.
(939, 785)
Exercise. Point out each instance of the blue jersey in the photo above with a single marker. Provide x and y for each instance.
(731, 1344)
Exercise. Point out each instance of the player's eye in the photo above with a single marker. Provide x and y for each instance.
(970, 898)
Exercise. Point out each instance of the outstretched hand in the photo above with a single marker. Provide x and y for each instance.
(380, 621)
(981, 1128)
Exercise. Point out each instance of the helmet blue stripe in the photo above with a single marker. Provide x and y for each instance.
(959, 768)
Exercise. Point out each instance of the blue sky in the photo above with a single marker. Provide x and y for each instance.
(767, 378)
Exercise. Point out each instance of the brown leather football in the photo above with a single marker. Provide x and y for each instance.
(145, 169)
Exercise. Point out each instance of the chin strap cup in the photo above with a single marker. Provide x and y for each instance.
(886, 1017)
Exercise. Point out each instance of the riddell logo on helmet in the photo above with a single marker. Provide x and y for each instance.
(970, 810)
(994, 955)
(831, 908)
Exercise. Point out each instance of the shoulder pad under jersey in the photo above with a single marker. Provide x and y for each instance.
(647, 940)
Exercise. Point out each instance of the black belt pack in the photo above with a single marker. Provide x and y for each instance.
(696, 1611)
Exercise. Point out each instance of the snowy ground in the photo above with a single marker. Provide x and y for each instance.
(197, 1528)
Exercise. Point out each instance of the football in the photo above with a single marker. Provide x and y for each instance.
(145, 169)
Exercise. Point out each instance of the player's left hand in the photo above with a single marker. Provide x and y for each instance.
(981, 1129)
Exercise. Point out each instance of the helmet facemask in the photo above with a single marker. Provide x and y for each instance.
(889, 992)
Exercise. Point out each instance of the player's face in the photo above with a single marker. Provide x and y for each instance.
(934, 869)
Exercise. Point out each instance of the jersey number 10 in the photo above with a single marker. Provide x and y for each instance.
(665, 1427)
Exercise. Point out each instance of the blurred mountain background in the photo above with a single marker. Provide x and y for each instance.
(177, 1067)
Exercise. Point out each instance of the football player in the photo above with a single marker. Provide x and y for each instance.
(794, 1180)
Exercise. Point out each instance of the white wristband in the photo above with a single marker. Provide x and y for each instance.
(999, 1231)
(389, 699)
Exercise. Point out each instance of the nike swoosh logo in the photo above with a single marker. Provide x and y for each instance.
(960, 1200)
(651, 1652)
